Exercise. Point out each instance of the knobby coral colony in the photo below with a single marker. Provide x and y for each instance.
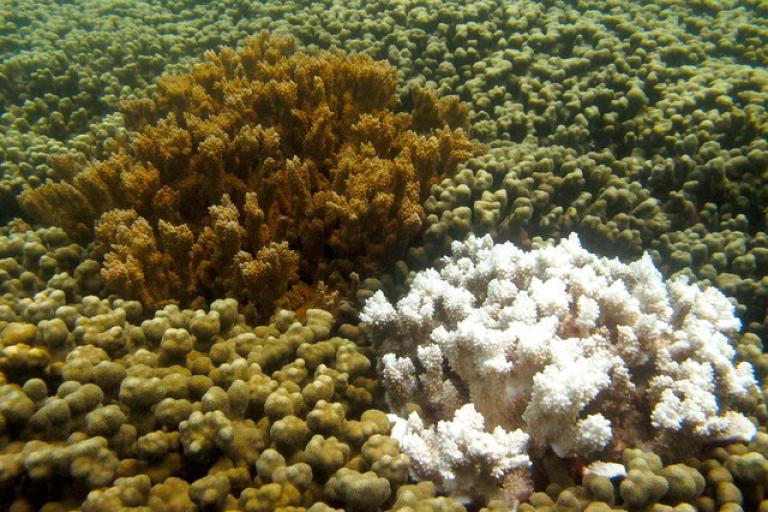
(265, 174)
(141, 413)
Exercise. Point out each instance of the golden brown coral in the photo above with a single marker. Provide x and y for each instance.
(135, 266)
(264, 170)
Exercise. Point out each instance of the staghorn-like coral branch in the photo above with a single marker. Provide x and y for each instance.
(262, 165)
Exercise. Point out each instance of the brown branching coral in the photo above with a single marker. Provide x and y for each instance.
(262, 172)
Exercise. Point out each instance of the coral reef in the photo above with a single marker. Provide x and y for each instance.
(673, 110)
(259, 175)
(639, 126)
(556, 349)
(65, 66)
(693, 219)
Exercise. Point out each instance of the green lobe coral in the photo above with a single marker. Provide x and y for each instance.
(225, 421)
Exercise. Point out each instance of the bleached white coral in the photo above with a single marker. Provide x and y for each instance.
(561, 344)
(459, 452)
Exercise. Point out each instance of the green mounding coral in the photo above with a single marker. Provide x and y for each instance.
(700, 484)
(194, 404)
(31, 261)
(518, 192)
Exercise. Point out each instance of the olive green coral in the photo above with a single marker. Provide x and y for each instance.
(358, 491)
(262, 427)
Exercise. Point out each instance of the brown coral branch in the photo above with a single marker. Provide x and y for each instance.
(264, 173)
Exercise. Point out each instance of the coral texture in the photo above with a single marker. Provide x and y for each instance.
(187, 410)
(584, 354)
(695, 209)
(641, 126)
(258, 175)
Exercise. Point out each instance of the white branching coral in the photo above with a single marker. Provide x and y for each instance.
(575, 352)
(459, 451)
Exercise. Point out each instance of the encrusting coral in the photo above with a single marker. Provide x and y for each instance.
(508, 354)
(264, 166)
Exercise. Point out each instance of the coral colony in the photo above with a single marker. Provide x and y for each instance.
(510, 353)
(254, 168)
